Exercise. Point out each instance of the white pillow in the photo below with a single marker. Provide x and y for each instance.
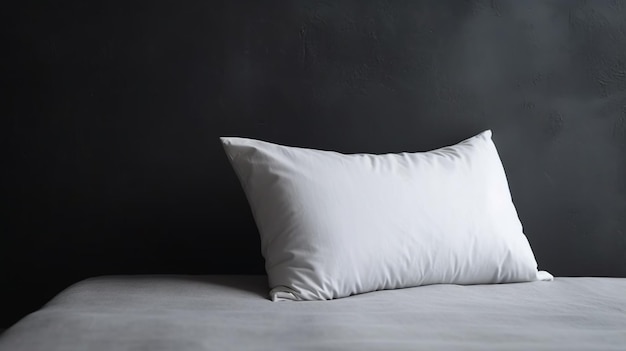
(334, 225)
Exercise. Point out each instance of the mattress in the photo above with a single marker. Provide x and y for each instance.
(234, 313)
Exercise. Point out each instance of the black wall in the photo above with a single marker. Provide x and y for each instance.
(111, 114)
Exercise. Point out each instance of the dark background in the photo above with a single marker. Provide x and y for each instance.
(111, 114)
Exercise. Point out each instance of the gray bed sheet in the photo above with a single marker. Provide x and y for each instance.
(233, 313)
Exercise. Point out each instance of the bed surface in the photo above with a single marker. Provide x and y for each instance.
(233, 313)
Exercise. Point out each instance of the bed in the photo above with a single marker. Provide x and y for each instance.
(438, 261)
(182, 313)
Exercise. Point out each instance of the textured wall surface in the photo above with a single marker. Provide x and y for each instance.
(112, 110)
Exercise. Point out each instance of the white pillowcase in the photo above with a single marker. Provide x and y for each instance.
(334, 225)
